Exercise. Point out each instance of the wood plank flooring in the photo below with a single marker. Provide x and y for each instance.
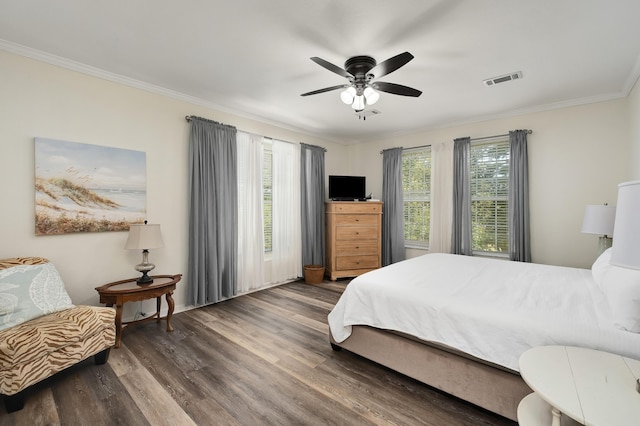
(258, 359)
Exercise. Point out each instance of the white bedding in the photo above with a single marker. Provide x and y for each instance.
(492, 309)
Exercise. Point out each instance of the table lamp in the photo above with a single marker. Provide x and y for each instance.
(144, 237)
(626, 249)
(599, 219)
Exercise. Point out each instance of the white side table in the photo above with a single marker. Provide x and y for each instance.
(591, 387)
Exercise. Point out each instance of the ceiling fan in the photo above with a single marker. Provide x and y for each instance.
(361, 72)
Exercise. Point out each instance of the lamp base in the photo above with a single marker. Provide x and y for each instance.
(604, 242)
(145, 267)
(144, 279)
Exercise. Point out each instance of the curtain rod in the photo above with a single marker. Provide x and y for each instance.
(293, 143)
(472, 140)
(190, 117)
(411, 147)
(497, 136)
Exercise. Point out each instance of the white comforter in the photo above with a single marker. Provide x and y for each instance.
(492, 309)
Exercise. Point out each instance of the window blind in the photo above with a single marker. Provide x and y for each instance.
(416, 189)
(489, 178)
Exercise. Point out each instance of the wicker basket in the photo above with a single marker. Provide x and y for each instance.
(313, 274)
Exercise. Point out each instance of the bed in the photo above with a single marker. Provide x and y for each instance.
(460, 323)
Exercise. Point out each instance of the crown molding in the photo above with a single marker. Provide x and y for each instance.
(69, 64)
(76, 66)
(633, 77)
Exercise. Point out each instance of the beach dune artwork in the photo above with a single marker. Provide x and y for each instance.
(87, 188)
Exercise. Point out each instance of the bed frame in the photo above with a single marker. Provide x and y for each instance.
(487, 385)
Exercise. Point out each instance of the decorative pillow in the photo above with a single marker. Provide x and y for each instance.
(621, 286)
(30, 291)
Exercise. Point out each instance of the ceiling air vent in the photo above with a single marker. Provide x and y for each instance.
(501, 79)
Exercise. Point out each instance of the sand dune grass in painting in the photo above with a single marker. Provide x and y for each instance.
(87, 188)
(52, 217)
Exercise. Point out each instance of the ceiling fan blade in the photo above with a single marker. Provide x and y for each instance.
(331, 67)
(326, 89)
(391, 64)
(396, 89)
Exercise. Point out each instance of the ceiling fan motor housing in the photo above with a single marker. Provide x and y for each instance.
(358, 67)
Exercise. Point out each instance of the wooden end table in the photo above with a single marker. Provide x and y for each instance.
(120, 292)
(579, 386)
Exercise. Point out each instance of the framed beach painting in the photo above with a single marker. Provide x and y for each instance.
(87, 188)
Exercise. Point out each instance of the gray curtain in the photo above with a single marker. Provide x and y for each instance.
(519, 235)
(312, 199)
(393, 207)
(213, 212)
(461, 233)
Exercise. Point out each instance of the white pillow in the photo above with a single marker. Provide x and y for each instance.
(600, 266)
(30, 291)
(621, 286)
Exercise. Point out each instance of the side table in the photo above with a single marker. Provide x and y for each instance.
(583, 385)
(120, 292)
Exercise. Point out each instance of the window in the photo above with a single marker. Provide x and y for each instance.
(489, 177)
(416, 189)
(267, 191)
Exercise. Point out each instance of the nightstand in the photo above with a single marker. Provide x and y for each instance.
(587, 386)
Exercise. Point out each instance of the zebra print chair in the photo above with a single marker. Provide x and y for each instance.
(46, 334)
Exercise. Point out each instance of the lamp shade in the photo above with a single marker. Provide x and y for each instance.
(625, 251)
(348, 95)
(599, 219)
(142, 237)
(371, 95)
(358, 103)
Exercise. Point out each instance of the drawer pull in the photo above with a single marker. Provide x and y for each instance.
(357, 247)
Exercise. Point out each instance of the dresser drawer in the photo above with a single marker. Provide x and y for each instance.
(356, 262)
(357, 247)
(360, 207)
(356, 219)
(356, 233)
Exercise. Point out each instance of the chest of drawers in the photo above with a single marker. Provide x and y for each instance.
(353, 240)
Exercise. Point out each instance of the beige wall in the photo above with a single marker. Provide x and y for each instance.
(577, 156)
(42, 100)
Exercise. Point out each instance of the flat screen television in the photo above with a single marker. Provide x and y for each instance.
(346, 188)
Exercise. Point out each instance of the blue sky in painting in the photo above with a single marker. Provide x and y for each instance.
(92, 166)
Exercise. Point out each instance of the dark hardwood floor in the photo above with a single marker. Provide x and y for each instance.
(262, 358)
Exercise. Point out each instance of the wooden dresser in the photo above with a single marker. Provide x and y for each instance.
(354, 233)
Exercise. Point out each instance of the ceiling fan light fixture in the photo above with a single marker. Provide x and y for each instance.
(371, 95)
(361, 71)
(358, 103)
(348, 95)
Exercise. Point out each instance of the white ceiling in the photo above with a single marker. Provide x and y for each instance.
(252, 57)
